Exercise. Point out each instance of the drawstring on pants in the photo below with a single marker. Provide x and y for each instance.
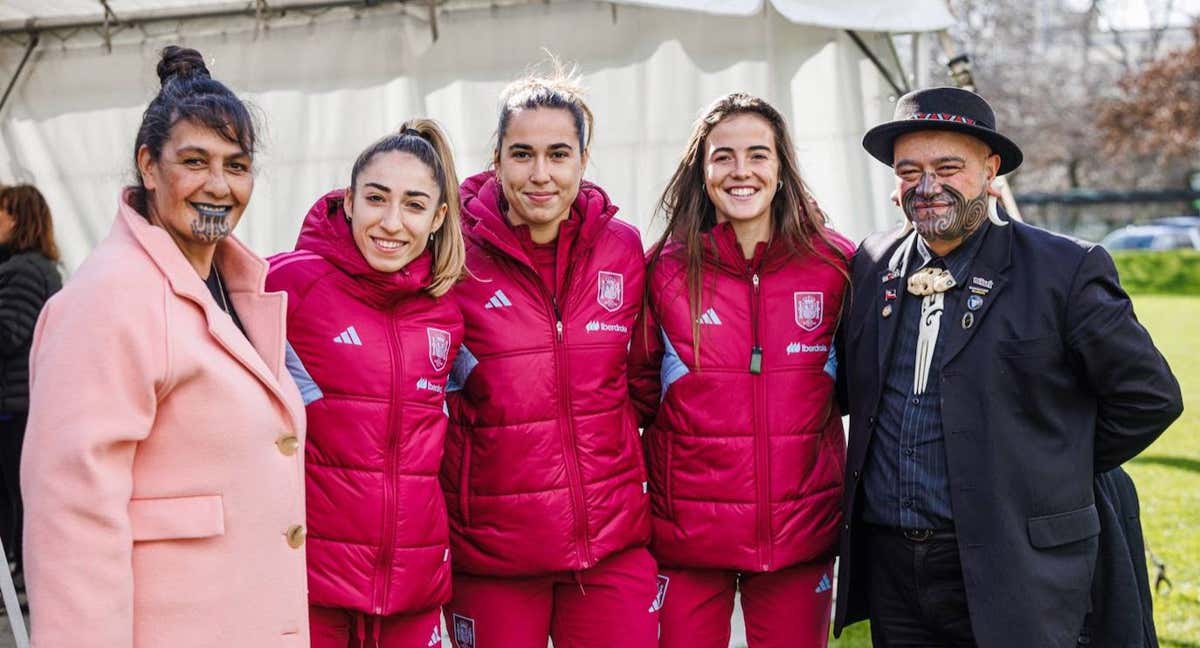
(361, 621)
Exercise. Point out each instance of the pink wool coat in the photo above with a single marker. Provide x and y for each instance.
(163, 462)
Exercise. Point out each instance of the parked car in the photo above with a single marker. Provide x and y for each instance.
(1163, 234)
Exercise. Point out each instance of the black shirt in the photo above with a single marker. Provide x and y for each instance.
(905, 478)
(220, 294)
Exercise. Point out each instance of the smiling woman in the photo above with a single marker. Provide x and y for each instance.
(732, 373)
(161, 459)
(372, 326)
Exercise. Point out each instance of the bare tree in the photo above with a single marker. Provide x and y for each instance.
(1157, 111)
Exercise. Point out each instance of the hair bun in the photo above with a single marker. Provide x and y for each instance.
(180, 62)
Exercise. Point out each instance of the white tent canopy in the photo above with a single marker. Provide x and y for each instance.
(329, 80)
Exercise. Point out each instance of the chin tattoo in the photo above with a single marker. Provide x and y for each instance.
(210, 228)
(964, 215)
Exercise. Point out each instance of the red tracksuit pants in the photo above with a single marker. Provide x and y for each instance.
(788, 608)
(611, 605)
(339, 628)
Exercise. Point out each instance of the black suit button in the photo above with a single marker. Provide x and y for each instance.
(870, 420)
(846, 526)
(908, 451)
(855, 474)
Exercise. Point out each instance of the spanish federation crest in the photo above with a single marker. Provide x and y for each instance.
(439, 347)
(810, 309)
(464, 631)
(610, 290)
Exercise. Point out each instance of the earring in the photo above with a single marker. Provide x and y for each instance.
(780, 186)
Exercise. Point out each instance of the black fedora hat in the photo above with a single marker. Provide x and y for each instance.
(950, 109)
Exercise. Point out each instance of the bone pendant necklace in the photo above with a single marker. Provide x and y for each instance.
(930, 284)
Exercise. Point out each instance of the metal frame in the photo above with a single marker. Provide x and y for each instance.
(879, 66)
(12, 83)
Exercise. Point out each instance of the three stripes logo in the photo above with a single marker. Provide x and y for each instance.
(498, 300)
(825, 585)
(349, 336)
(710, 317)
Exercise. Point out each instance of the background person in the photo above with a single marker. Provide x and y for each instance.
(164, 492)
(732, 374)
(375, 334)
(543, 474)
(993, 369)
(28, 277)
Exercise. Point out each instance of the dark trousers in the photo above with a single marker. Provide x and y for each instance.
(12, 513)
(916, 594)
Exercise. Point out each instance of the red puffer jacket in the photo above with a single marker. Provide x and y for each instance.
(374, 352)
(744, 446)
(543, 469)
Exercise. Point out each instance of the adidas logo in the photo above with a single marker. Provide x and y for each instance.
(825, 585)
(435, 639)
(498, 300)
(710, 317)
(349, 336)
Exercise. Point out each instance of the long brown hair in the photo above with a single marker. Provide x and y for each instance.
(425, 140)
(795, 216)
(33, 228)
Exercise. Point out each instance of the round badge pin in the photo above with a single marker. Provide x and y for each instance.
(974, 302)
(887, 311)
(968, 320)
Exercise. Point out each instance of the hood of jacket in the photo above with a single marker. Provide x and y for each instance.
(327, 233)
(485, 221)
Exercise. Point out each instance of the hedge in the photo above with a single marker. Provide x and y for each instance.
(1173, 272)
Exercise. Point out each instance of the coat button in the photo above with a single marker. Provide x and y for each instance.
(856, 474)
(295, 536)
(288, 444)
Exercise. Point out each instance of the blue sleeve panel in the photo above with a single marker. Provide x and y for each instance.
(309, 390)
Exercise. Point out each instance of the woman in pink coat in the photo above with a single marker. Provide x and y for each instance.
(163, 473)
(375, 335)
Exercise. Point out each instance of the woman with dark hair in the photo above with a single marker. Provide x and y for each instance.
(543, 471)
(28, 277)
(375, 334)
(163, 468)
(733, 375)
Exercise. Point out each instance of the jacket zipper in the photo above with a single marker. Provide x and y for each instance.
(383, 565)
(567, 427)
(762, 465)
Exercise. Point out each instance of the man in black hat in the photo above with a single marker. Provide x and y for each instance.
(992, 369)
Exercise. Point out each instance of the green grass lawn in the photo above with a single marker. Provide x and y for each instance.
(1167, 477)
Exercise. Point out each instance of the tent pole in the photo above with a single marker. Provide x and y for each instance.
(883, 71)
(33, 43)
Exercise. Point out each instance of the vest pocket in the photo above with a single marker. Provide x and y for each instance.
(176, 518)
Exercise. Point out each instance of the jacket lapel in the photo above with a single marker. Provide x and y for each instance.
(986, 276)
(892, 278)
(244, 275)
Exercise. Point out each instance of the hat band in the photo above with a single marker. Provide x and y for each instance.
(944, 117)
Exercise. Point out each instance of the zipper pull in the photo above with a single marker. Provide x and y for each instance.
(754, 280)
(557, 317)
(756, 360)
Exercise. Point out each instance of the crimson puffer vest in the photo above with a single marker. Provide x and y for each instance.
(374, 351)
(543, 468)
(744, 445)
